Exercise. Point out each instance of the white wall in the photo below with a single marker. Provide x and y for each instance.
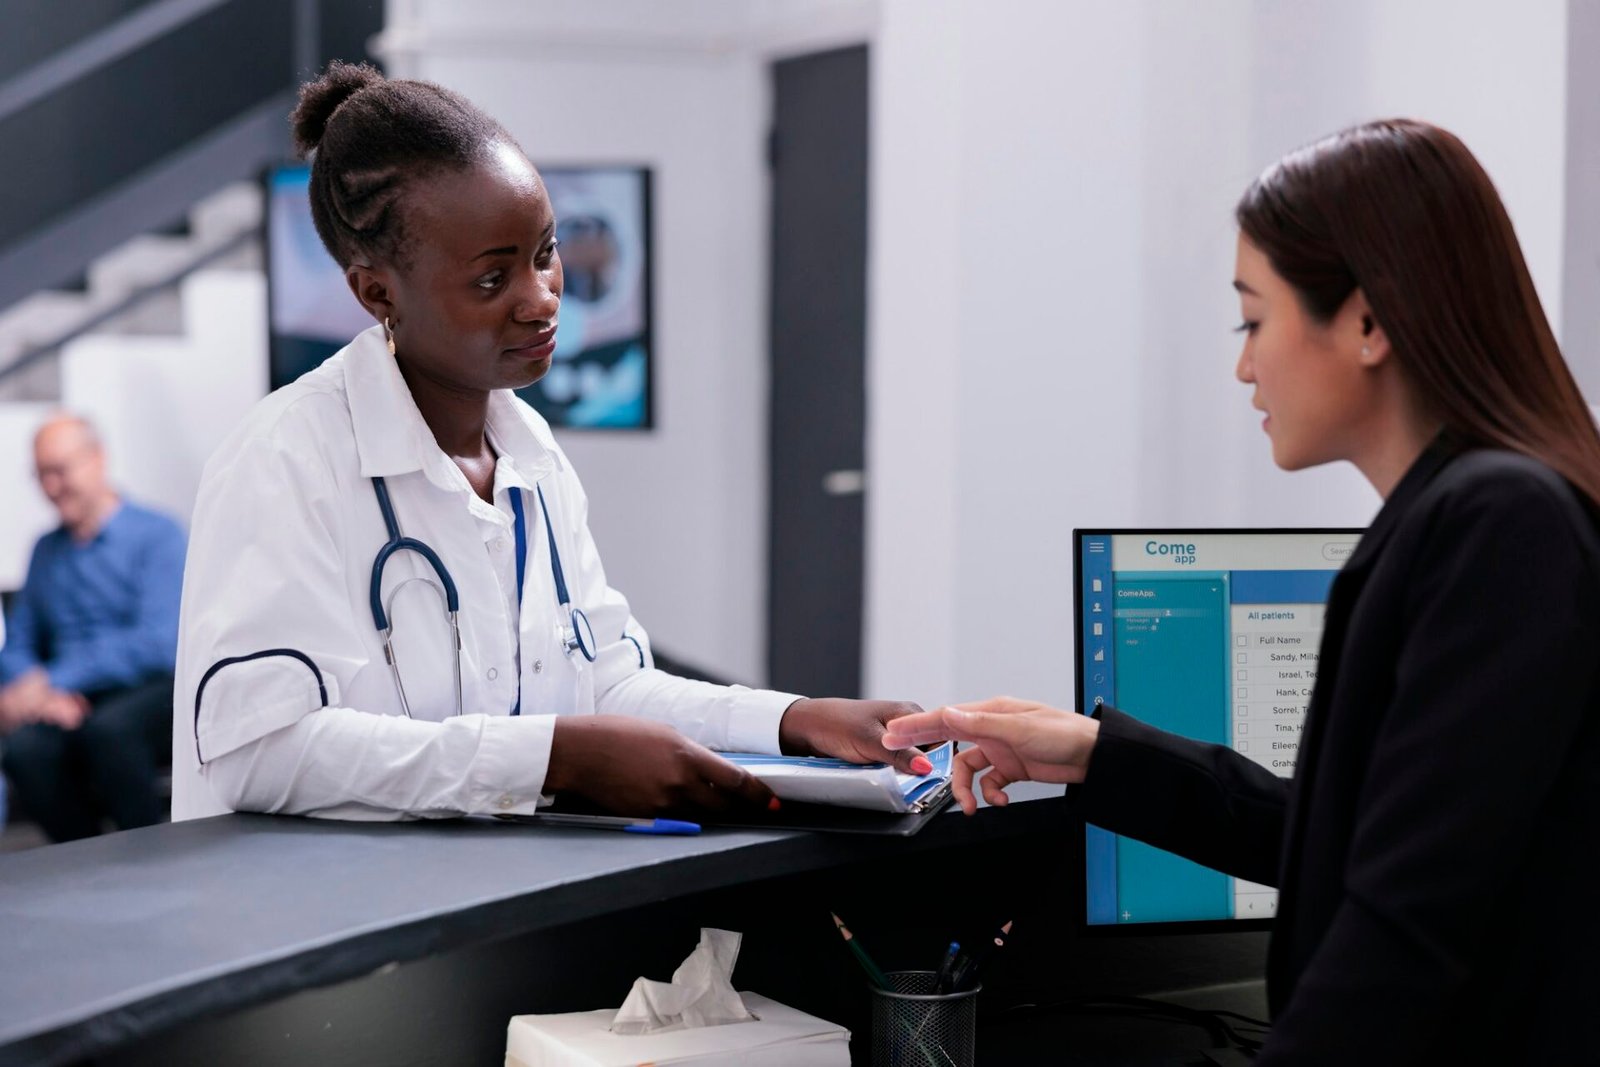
(1052, 251)
(162, 404)
(27, 513)
(1051, 247)
(1580, 301)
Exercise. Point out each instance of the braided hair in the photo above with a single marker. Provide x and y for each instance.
(369, 139)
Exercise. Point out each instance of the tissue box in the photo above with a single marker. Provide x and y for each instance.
(783, 1037)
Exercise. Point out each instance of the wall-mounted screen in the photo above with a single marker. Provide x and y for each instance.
(601, 375)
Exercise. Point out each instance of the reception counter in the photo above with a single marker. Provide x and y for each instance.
(259, 939)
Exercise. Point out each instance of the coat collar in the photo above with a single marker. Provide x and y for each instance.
(392, 438)
(1443, 448)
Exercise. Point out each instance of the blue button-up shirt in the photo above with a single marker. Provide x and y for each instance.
(103, 614)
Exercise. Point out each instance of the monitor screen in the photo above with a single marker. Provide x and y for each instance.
(1213, 634)
(601, 375)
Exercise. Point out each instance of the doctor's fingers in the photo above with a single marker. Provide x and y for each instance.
(962, 769)
(905, 760)
(720, 785)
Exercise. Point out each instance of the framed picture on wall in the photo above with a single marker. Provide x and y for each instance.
(603, 370)
(601, 373)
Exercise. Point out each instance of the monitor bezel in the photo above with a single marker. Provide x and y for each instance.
(1081, 864)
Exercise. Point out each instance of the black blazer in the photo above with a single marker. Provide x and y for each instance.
(1436, 849)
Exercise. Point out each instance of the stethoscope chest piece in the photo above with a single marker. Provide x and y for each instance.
(578, 636)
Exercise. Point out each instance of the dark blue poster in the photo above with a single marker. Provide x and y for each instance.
(600, 377)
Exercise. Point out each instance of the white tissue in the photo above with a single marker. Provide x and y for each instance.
(701, 992)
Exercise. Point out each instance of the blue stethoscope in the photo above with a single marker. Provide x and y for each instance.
(576, 634)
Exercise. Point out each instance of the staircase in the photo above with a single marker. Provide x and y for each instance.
(132, 287)
(131, 290)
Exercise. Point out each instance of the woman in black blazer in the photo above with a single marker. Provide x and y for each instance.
(1435, 849)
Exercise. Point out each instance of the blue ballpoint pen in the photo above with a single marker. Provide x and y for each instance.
(947, 966)
(615, 822)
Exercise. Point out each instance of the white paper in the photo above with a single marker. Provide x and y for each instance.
(701, 992)
(873, 787)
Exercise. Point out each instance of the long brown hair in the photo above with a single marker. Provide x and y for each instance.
(1402, 210)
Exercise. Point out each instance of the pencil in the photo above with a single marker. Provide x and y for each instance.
(968, 971)
(877, 976)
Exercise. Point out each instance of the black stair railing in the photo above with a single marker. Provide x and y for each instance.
(118, 115)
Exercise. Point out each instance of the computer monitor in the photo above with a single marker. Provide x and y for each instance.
(1213, 634)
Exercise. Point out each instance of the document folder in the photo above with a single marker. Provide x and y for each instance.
(838, 783)
(826, 794)
(825, 819)
(835, 796)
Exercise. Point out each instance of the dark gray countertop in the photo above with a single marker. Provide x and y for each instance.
(119, 937)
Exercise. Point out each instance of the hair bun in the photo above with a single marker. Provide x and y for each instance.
(319, 99)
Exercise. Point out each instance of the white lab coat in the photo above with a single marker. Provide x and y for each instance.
(284, 701)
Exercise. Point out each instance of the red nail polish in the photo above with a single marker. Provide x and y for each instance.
(773, 804)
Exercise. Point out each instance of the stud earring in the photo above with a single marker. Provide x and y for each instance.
(388, 334)
(1365, 350)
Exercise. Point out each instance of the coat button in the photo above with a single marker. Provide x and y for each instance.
(507, 802)
(493, 674)
(538, 666)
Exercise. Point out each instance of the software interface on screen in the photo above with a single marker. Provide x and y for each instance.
(1213, 635)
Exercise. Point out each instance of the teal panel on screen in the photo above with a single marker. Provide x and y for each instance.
(1171, 634)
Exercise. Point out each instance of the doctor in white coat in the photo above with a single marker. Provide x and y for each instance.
(316, 678)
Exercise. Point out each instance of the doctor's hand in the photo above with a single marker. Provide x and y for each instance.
(849, 730)
(1017, 740)
(638, 767)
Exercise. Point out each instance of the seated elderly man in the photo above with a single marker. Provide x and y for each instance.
(86, 671)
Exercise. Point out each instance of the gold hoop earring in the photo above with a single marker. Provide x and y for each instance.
(388, 334)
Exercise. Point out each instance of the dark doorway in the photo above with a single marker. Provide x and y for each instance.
(818, 351)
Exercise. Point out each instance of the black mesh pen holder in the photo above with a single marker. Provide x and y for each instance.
(912, 1026)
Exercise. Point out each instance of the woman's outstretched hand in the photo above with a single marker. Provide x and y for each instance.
(1017, 740)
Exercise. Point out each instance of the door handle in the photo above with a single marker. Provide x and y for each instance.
(844, 483)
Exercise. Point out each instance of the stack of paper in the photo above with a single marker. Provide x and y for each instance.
(873, 786)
